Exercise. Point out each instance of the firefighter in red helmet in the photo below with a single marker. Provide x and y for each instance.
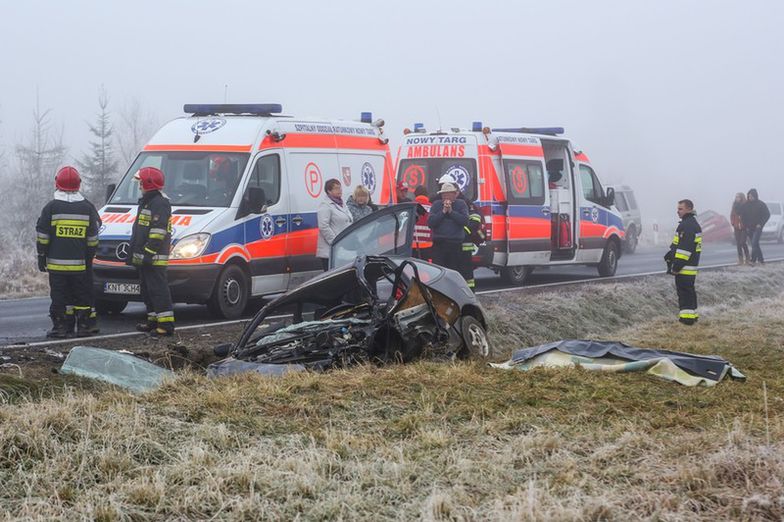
(67, 236)
(150, 244)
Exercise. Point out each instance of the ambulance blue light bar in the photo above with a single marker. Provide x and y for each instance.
(419, 127)
(550, 131)
(476, 126)
(366, 117)
(256, 109)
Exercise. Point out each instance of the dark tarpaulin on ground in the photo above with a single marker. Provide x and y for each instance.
(615, 356)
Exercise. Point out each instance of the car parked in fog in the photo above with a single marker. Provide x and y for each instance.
(626, 204)
(774, 228)
(715, 227)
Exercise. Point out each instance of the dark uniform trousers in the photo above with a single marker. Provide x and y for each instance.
(70, 293)
(687, 297)
(155, 291)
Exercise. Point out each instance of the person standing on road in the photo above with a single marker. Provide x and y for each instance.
(447, 219)
(150, 244)
(737, 226)
(474, 236)
(423, 236)
(683, 259)
(333, 217)
(755, 214)
(359, 203)
(67, 236)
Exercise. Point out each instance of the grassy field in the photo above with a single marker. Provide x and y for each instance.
(430, 440)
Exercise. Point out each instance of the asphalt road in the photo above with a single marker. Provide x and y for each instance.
(26, 320)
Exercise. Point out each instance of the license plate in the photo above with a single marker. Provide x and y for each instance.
(122, 288)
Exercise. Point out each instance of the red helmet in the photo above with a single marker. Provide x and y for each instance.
(219, 163)
(150, 178)
(67, 179)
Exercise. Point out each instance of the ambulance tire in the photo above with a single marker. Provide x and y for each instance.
(609, 263)
(631, 242)
(515, 275)
(476, 343)
(106, 307)
(230, 294)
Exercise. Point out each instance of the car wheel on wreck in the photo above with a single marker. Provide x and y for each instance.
(476, 342)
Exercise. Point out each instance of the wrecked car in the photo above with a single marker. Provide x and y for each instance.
(378, 304)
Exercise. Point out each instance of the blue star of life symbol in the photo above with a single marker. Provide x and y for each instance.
(368, 177)
(460, 175)
(208, 126)
(267, 226)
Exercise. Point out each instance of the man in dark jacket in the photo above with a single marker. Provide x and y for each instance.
(67, 236)
(754, 215)
(447, 219)
(150, 244)
(683, 259)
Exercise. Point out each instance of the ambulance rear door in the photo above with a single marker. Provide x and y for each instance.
(593, 213)
(267, 233)
(528, 218)
(311, 160)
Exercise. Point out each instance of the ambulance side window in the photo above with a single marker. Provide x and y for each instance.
(526, 182)
(592, 189)
(266, 176)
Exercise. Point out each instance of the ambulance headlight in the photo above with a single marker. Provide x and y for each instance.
(190, 246)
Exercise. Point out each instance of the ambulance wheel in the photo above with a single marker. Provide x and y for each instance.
(515, 275)
(632, 240)
(106, 307)
(609, 263)
(476, 343)
(230, 295)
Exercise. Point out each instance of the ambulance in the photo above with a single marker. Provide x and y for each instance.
(245, 183)
(541, 200)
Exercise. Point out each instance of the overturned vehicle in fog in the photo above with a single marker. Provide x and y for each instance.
(379, 305)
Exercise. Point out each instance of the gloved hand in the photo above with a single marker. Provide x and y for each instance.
(668, 256)
(42, 263)
(147, 260)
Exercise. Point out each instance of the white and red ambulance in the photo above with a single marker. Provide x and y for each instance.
(245, 183)
(540, 198)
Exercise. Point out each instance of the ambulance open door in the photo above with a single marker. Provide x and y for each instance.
(528, 223)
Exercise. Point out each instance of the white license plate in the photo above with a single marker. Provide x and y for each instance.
(122, 288)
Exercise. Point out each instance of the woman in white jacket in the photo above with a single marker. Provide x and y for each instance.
(333, 216)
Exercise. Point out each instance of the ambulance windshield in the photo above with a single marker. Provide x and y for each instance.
(193, 179)
(427, 172)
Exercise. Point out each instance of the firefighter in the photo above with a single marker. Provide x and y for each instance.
(683, 260)
(150, 243)
(474, 236)
(67, 236)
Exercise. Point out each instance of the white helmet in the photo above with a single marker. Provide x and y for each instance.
(447, 178)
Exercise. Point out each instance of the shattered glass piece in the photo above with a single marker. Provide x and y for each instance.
(120, 368)
(233, 366)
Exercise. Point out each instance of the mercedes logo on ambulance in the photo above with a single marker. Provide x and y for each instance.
(122, 250)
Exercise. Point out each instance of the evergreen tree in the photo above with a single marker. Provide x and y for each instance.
(98, 168)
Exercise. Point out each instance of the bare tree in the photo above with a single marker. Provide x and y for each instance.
(30, 181)
(99, 166)
(134, 128)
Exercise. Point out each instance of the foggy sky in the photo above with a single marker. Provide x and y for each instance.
(676, 98)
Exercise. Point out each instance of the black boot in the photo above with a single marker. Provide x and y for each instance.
(92, 322)
(82, 323)
(149, 326)
(165, 329)
(58, 330)
(69, 321)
